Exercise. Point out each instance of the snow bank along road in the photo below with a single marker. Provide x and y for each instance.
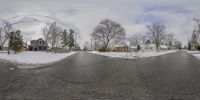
(35, 58)
(87, 76)
(133, 55)
(195, 53)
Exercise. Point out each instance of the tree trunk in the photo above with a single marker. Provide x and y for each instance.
(157, 46)
(8, 50)
(106, 47)
(1, 48)
(55, 49)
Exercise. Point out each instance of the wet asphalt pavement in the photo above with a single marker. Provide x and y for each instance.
(86, 76)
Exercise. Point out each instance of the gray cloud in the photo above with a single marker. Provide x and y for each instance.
(84, 15)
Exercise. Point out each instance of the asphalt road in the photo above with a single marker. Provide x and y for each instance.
(87, 76)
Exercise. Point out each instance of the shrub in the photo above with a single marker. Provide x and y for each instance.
(138, 47)
(189, 46)
(198, 48)
(102, 49)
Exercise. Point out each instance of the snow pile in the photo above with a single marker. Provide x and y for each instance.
(194, 53)
(133, 55)
(3, 51)
(197, 55)
(154, 53)
(38, 57)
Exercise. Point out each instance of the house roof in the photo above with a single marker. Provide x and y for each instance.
(117, 46)
(38, 39)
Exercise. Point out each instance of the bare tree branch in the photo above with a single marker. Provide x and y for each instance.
(157, 32)
(108, 32)
(5, 29)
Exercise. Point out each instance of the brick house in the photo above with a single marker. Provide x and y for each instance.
(37, 45)
(120, 48)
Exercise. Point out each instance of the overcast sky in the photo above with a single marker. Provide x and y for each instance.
(83, 15)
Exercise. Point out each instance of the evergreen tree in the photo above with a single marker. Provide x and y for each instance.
(11, 39)
(65, 38)
(138, 47)
(15, 40)
(77, 47)
(85, 48)
(189, 46)
(18, 41)
(194, 40)
(71, 38)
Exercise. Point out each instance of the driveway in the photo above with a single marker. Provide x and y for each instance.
(88, 76)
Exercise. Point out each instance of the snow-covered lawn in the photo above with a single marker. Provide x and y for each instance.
(195, 53)
(38, 57)
(133, 55)
(3, 52)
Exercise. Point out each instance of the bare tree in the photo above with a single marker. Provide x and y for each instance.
(135, 39)
(87, 44)
(56, 38)
(52, 35)
(178, 44)
(5, 29)
(169, 39)
(108, 32)
(157, 33)
(47, 32)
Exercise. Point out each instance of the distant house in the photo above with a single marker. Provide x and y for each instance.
(120, 48)
(132, 48)
(148, 45)
(37, 45)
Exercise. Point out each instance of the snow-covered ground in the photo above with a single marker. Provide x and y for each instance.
(194, 53)
(133, 55)
(3, 52)
(30, 57)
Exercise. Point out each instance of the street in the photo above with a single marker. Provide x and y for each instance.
(87, 76)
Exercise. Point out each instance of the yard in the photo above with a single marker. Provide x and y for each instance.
(31, 57)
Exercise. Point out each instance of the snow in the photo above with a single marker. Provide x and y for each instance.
(3, 52)
(38, 57)
(197, 55)
(163, 46)
(132, 55)
(194, 53)
(133, 47)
